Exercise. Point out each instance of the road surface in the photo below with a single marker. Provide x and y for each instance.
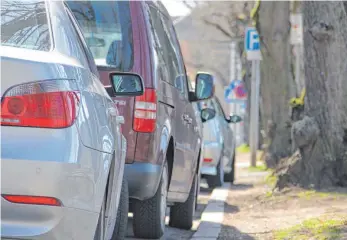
(177, 234)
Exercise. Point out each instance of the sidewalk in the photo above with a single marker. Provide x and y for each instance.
(240, 221)
(251, 211)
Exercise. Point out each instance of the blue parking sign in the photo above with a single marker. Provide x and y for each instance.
(252, 44)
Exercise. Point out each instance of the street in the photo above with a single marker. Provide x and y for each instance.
(246, 211)
(176, 234)
(111, 111)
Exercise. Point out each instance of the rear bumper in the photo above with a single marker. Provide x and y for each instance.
(19, 221)
(143, 179)
(53, 163)
(213, 151)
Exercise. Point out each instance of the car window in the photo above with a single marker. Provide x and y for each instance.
(24, 24)
(207, 104)
(180, 61)
(220, 108)
(82, 43)
(167, 49)
(158, 48)
(107, 28)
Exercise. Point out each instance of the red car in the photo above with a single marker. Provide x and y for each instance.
(163, 133)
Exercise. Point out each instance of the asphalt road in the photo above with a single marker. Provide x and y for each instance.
(178, 234)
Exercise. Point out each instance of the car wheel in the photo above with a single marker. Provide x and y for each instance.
(120, 229)
(182, 214)
(229, 177)
(100, 229)
(217, 180)
(149, 215)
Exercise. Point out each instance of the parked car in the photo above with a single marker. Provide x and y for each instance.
(62, 152)
(219, 144)
(161, 128)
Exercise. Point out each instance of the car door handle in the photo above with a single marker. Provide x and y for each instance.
(187, 119)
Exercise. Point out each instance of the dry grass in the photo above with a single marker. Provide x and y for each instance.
(322, 228)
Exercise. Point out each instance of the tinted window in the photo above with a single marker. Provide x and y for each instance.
(82, 45)
(24, 24)
(167, 49)
(220, 108)
(207, 104)
(106, 26)
(178, 57)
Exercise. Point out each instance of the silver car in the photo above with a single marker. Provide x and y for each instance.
(62, 152)
(219, 144)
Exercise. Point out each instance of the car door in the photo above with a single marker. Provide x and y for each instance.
(226, 130)
(108, 132)
(194, 139)
(173, 88)
(197, 116)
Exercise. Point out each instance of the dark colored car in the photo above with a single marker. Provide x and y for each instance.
(163, 135)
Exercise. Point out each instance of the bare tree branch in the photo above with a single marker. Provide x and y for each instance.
(219, 27)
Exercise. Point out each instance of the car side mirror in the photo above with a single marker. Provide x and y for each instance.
(234, 119)
(204, 87)
(127, 84)
(207, 114)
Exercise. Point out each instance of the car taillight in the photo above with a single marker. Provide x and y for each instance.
(46, 104)
(145, 113)
(207, 160)
(34, 200)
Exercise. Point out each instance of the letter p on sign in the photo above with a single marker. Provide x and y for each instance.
(252, 44)
(254, 40)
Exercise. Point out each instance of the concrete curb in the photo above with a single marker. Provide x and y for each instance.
(213, 215)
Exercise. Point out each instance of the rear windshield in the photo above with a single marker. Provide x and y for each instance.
(24, 24)
(106, 26)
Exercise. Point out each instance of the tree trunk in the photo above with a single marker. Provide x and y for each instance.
(321, 136)
(277, 84)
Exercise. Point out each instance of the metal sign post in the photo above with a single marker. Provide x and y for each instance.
(252, 47)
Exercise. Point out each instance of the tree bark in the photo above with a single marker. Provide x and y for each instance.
(321, 136)
(277, 84)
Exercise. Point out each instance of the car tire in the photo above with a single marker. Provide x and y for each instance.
(217, 180)
(182, 214)
(230, 177)
(149, 215)
(120, 229)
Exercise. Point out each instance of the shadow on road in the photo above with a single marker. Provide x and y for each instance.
(230, 208)
(208, 231)
(229, 232)
(173, 233)
(227, 208)
(241, 186)
(206, 190)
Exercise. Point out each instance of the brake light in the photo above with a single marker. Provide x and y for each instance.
(207, 160)
(46, 104)
(145, 113)
(34, 200)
